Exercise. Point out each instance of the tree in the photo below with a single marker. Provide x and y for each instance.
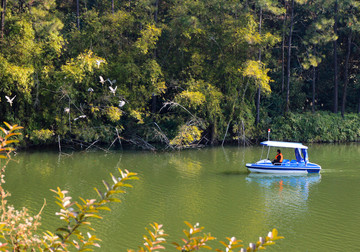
(155, 49)
(288, 69)
(3, 15)
(259, 89)
(78, 15)
(335, 109)
(273, 9)
(319, 33)
(346, 75)
(350, 27)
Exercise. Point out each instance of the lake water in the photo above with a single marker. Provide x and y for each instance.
(210, 186)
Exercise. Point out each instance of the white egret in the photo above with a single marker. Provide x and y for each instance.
(102, 81)
(77, 118)
(10, 100)
(113, 90)
(121, 104)
(90, 90)
(67, 110)
(98, 62)
(111, 82)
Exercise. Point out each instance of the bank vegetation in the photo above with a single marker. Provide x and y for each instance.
(181, 73)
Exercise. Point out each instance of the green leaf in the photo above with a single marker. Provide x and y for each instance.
(93, 216)
(188, 224)
(59, 204)
(12, 134)
(114, 179)
(223, 243)
(8, 125)
(114, 200)
(268, 243)
(60, 236)
(107, 186)
(99, 193)
(64, 230)
(4, 130)
(104, 208)
(109, 193)
(85, 249)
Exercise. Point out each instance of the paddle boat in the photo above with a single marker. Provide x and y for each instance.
(299, 165)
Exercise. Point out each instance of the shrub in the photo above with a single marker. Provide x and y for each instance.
(318, 127)
(41, 136)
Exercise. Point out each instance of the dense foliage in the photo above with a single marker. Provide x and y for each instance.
(181, 72)
(318, 127)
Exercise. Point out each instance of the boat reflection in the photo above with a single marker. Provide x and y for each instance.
(288, 186)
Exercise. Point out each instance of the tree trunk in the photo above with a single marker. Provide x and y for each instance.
(112, 7)
(335, 110)
(156, 11)
(346, 77)
(77, 15)
(153, 103)
(258, 96)
(283, 53)
(21, 5)
(289, 57)
(213, 133)
(3, 13)
(313, 90)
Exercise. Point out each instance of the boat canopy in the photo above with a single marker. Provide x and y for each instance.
(284, 144)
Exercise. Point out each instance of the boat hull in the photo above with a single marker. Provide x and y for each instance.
(295, 168)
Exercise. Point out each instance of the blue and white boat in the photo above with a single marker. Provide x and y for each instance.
(299, 165)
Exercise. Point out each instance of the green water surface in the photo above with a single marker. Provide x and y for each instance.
(210, 186)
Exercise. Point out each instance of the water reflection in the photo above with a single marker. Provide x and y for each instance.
(187, 167)
(297, 184)
(284, 197)
(210, 186)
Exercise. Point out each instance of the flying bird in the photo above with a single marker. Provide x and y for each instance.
(77, 118)
(113, 90)
(121, 103)
(10, 100)
(102, 81)
(90, 90)
(111, 82)
(98, 62)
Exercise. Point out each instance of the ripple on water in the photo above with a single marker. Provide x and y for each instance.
(209, 186)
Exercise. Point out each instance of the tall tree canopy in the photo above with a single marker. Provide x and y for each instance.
(145, 71)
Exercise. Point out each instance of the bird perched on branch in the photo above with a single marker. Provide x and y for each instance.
(10, 100)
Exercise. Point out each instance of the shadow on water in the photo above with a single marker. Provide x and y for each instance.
(237, 172)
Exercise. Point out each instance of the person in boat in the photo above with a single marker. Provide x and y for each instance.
(278, 158)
